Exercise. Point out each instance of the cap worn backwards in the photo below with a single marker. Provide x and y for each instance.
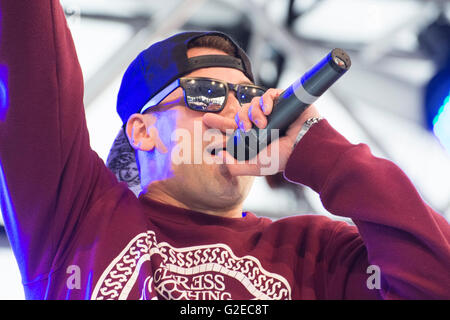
(165, 61)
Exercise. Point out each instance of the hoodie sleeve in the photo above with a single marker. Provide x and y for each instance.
(402, 238)
(48, 173)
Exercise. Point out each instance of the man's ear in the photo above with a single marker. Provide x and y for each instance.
(139, 133)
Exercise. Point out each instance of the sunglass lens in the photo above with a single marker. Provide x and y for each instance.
(205, 95)
(247, 93)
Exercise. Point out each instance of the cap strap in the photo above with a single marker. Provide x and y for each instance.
(217, 60)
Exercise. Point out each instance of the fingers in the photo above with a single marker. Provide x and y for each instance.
(267, 100)
(256, 112)
(214, 120)
(256, 115)
(237, 168)
(269, 161)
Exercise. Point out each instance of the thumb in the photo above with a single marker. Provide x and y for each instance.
(267, 162)
(213, 120)
(238, 168)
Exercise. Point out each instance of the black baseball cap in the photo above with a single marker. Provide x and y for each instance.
(165, 61)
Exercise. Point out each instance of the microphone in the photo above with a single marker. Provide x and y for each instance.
(290, 105)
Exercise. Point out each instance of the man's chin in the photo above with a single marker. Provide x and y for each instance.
(224, 172)
(213, 185)
(233, 188)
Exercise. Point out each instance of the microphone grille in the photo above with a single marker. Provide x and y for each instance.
(341, 59)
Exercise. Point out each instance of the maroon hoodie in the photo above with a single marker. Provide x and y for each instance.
(77, 233)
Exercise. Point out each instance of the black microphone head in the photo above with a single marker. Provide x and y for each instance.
(324, 74)
(290, 104)
(340, 60)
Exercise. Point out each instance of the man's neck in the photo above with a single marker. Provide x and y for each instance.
(158, 194)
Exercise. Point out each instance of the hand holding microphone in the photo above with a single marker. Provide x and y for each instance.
(291, 103)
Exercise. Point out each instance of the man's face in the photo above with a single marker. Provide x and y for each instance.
(193, 178)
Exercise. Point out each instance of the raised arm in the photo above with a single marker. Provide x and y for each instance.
(402, 236)
(49, 173)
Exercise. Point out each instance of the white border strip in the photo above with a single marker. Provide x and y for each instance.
(302, 94)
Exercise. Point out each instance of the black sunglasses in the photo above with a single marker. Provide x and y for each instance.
(207, 95)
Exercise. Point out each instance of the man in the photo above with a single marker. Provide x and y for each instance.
(198, 185)
(79, 234)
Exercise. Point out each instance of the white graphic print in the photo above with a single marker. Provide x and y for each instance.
(197, 273)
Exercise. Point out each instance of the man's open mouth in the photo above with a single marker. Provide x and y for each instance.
(214, 150)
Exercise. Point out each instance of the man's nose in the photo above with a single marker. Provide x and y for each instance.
(232, 106)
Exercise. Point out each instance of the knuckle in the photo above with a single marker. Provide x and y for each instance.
(236, 118)
(273, 92)
(261, 102)
(249, 113)
(255, 100)
(243, 114)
